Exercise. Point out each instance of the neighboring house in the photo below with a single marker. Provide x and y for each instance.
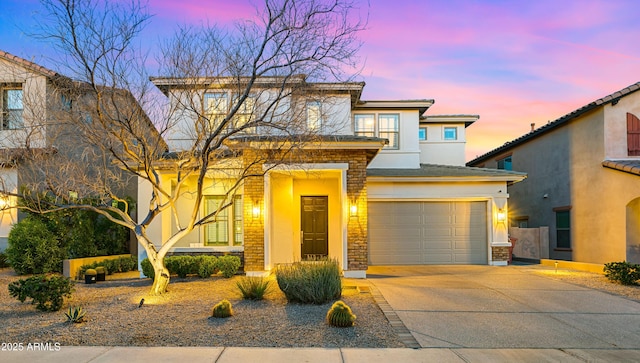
(37, 104)
(583, 180)
(381, 184)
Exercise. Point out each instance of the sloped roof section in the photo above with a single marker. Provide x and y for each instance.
(27, 64)
(612, 98)
(448, 173)
(627, 166)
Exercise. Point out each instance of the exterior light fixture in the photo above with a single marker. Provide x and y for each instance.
(255, 211)
(501, 216)
(353, 210)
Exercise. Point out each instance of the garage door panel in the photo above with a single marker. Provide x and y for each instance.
(428, 233)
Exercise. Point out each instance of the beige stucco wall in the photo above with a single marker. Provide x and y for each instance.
(408, 153)
(436, 150)
(615, 128)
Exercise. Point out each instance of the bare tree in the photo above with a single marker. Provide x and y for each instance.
(264, 64)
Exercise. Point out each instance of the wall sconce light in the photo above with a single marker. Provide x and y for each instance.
(501, 216)
(353, 210)
(255, 211)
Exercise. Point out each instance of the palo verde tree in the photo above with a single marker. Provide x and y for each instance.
(264, 62)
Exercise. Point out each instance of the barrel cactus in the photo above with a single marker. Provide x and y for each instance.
(340, 315)
(222, 309)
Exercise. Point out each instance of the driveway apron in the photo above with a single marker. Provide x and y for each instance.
(504, 307)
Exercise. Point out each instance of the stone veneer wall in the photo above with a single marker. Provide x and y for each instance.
(357, 248)
(500, 253)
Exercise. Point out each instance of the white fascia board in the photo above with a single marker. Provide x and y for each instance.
(436, 179)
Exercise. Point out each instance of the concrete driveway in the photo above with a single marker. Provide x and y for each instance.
(504, 307)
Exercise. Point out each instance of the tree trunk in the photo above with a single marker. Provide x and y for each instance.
(161, 280)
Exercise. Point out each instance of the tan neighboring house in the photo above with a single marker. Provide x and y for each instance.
(583, 180)
(382, 183)
(36, 105)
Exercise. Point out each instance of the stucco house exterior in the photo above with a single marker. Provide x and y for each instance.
(37, 104)
(583, 179)
(382, 183)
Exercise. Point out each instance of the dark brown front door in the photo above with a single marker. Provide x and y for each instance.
(314, 224)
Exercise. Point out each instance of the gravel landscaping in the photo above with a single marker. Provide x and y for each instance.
(182, 317)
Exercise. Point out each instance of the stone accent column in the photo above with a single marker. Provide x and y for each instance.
(253, 226)
(357, 234)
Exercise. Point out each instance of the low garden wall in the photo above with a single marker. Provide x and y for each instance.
(71, 268)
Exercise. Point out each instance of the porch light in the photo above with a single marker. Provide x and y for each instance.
(501, 216)
(353, 210)
(255, 211)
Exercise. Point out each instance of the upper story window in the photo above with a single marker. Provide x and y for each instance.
(245, 115)
(505, 163)
(633, 135)
(12, 107)
(386, 127)
(422, 134)
(216, 105)
(216, 108)
(314, 118)
(451, 133)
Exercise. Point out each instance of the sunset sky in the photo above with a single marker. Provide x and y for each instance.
(511, 62)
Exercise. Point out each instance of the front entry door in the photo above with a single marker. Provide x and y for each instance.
(314, 224)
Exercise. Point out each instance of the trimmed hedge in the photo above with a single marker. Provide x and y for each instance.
(123, 264)
(203, 266)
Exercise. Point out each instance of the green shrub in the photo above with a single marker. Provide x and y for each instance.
(122, 264)
(75, 315)
(228, 265)
(623, 272)
(47, 292)
(3, 260)
(32, 249)
(181, 265)
(315, 282)
(253, 288)
(207, 265)
(340, 315)
(147, 268)
(222, 309)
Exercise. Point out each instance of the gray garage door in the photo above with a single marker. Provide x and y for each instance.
(403, 233)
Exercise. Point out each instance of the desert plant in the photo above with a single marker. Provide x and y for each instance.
(222, 309)
(147, 268)
(228, 265)
(101, 270)
(340, 315)
(315, 282)
(91, 272)
(47, 292)
(207, 265)
(75, 315)
(253, 288)
(32, 248)
(623, 272)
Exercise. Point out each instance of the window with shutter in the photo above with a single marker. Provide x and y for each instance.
(633, 135)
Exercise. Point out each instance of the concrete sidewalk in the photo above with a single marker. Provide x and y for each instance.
(313, 355)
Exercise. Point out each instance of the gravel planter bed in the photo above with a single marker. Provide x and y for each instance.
(182, 317)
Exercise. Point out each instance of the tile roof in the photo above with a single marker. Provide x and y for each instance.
(631, 166)
(27, 64)
(448, 171)
(612, 98)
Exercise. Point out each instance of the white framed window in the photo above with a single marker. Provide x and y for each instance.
(216, 105)
(450, 133)
(422, 134)
(245, 115)
(227, 230)
(314, 116)
(12, 108)
(386, 127)
(505, 163)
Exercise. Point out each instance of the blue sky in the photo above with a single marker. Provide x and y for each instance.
(512, 62)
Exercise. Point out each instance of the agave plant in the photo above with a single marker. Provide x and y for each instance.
(75, 314)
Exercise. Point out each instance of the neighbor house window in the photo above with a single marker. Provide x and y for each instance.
(224, 231)
(563, 228)
(633, 135)
(314, 119)
(451, 133)
(216, 105)
(386, 127)
(422, 134)
(12, 108)
(505, 163)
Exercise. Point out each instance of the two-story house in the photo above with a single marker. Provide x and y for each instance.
(583, 179)
(39, 112)
(381, 183)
